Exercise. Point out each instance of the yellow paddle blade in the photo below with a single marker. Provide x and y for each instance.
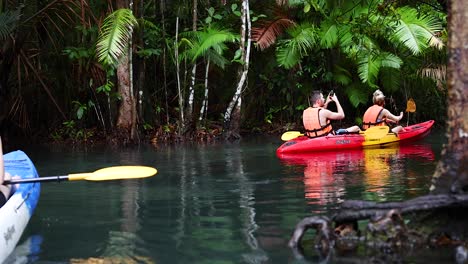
(290, 135)
(376, 132)
(410, 106)
(115, 173)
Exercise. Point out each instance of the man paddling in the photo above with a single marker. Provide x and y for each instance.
(5, 190)
(317, 118)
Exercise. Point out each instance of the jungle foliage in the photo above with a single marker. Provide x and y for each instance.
(58, 61)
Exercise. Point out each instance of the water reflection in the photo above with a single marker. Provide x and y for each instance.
(26, 252)
(328, 175)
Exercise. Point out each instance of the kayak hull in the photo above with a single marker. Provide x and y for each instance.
(15, 214)
(303, 144)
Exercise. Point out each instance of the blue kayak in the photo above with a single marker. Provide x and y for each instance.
(15, 214)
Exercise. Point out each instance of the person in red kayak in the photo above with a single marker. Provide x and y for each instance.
(377, 115)
(5, 190)
(316, 119)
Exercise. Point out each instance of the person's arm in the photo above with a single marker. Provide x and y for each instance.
(2, 166)
(5, 189)
(335, 115)
(389, 116)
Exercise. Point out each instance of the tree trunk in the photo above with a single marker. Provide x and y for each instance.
(451, 173)
(127, 115)
(163, 22)
(181, 99)
(232, 120)
(189, 126)
(204, 107)
(126, 120)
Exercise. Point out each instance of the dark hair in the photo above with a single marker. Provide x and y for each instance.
(316, 95)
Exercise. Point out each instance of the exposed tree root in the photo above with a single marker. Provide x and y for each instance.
(355, 210)
(386, 230)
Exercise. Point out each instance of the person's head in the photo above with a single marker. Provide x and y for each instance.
(378, 98)
(317, 98)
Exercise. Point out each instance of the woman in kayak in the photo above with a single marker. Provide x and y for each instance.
(317, 118)
(377, 115)
(5, 190)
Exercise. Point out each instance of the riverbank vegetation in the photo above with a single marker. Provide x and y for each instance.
(157, 71)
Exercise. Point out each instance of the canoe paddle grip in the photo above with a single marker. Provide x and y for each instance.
(42, 179)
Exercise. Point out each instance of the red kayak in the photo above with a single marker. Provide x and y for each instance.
(304, 144)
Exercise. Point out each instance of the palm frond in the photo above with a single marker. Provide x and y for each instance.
(213, 38)
(341, 75)
(266, 34)
(389, 60)
(415, 32)
(287, 54)
(368, 68)
(304, 35)
(357, 94)
(116, 32)
(328, 34)
(303, 39)
(216, 58)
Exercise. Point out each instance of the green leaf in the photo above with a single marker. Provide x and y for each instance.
(211, 11)
(234, 7)
(414, 31)
(116, 33)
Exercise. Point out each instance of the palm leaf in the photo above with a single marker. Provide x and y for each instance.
(357, 95)
(389, 60)
(328, 34)
(216, 58)
(116, 33)
(212, 38)
(368, 68)
(287, 54)
(414, 32)
(341, 75)
(266, 34)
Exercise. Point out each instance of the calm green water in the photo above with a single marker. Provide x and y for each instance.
(217, 203)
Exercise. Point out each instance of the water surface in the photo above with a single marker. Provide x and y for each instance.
(215, 203)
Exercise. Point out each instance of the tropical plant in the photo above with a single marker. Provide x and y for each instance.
(115, 35)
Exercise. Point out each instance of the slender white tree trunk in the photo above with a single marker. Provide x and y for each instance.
(232, 120)
(181, 99)
(189, 109)
(204, 108)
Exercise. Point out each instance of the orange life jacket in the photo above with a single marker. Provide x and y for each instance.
(311, 120)
(371, 117)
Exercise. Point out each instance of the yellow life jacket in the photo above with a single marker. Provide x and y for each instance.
(311, 120)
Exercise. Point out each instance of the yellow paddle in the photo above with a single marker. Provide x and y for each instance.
(372, 133)
(105, 174)
(410, 107)
(288, 135)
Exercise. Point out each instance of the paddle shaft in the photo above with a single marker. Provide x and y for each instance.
(41, 179)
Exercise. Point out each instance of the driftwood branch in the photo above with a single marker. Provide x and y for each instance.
(353, 210)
